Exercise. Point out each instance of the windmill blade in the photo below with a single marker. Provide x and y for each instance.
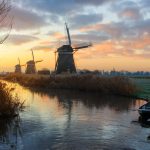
(56, 60)
(38, 61)
(19, 60)
(68, 33)
(56, 64)
(32, 54)
(82, 45)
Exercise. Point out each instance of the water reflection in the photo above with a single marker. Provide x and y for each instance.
(64, 120)
(10, 134)
(90, 100)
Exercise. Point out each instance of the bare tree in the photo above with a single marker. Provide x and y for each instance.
(5, 20)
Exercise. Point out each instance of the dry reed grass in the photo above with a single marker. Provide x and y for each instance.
(105, 85)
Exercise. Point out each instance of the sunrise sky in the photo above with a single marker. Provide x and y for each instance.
(118, 29)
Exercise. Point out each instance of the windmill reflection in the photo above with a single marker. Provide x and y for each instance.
(66, 98)
(10, 134)
(68, 105)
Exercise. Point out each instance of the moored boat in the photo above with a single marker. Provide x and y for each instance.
(144, 110)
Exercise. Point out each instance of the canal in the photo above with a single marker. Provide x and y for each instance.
(70, 120)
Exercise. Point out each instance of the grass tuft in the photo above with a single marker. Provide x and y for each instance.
(9, 105)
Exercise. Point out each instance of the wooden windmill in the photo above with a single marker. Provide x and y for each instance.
(31, 65)
(18, 67)
(65, 59)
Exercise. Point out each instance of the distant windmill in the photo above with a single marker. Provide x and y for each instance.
(18, 67)
(31, 65)
(65, 61)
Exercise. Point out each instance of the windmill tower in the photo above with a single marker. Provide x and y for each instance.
(31, 65)
(65, 59)
(18, 67)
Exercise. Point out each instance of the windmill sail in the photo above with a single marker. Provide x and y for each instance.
(19, 61)
(68, 33)
(82, 45)
(38, 61)
(32, 55)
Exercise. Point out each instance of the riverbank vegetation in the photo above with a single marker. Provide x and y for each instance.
(89, 83)
(10, 105)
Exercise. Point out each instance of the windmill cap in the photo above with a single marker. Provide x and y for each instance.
(30, 62)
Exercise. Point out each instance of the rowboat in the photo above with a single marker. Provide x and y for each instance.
(144, 110)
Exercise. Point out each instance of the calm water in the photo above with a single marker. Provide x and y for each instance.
(64, 120)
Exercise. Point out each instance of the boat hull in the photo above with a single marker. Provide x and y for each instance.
(144, 113)
(144, 110)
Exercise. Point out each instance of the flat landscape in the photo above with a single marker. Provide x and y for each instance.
(144, 87)
(75, 75)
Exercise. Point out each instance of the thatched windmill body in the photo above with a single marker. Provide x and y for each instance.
(18, 67)
(31, 65)
(65, 60)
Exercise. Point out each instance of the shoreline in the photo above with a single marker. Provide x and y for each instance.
(121, 86)
(47, 90)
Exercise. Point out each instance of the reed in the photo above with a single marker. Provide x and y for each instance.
(9, 105)
(89, 83)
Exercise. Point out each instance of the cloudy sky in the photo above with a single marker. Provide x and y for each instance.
(118, 29)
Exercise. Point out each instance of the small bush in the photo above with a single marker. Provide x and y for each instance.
(9, 104)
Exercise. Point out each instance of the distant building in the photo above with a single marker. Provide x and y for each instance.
(44, 72)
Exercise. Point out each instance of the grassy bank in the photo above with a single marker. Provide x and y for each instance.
(89, 83)
(141, 77)
(144, 87)
(9, 104)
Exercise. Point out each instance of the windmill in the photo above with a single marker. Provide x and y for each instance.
(18, 67)
(31, 65)
(65, 61)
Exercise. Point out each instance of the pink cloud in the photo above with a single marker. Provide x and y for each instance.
(130, 13)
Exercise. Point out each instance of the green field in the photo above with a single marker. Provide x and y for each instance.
(144, 87)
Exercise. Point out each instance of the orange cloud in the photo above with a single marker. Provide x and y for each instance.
(113, 48)
(58, 35)
(105, 47)
(141, 42)
(91, 27)
(45, 48)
